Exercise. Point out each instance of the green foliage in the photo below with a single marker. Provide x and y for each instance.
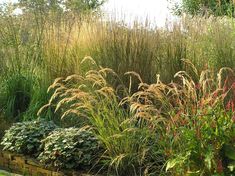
(200, 130)
(56, 44)
(160, 51)
(25, 137)
(131, 147)
(80, 5)
(38, 98)
(197, 146)
(126, 49)
(4, 125)
(16, 91)
(22, 95)
(70, 148)
(155, 120)
(59, 5)
(203, 7)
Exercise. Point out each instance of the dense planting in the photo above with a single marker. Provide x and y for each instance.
(25, 137)
(148, 101)
(208, 138)
(177, 123)
(70, 148)
(159, 129)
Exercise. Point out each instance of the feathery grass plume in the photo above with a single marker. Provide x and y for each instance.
(137, 119)
(129, 145)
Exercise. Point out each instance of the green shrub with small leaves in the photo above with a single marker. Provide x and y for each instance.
(70, 148)
(25, 137)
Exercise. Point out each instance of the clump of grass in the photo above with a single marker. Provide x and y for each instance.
(22, 94)
(130, 146)
(15, 97)
(38, 98)
(125, 49)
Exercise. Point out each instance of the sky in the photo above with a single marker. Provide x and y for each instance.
(156, 11)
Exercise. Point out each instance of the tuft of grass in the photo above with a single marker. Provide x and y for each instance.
(130, 145)
(16, 94)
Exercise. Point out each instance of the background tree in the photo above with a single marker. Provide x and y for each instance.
(77, 5)
(58, 5)
(205, 7)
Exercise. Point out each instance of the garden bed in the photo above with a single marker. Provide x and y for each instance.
(24, 165)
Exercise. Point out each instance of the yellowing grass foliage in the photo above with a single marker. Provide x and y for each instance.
(59, 42)
(135, 128)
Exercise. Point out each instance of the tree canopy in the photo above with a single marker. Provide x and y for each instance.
(62, 5)
(205, 7)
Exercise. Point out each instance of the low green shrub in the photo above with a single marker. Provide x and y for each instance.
(70, 148)
(25, 137)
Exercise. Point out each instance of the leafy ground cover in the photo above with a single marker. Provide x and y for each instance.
(70, 148)
(25, 138)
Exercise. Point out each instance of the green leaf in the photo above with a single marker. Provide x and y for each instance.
(229, 151)
(171, 164)
(179, 160)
